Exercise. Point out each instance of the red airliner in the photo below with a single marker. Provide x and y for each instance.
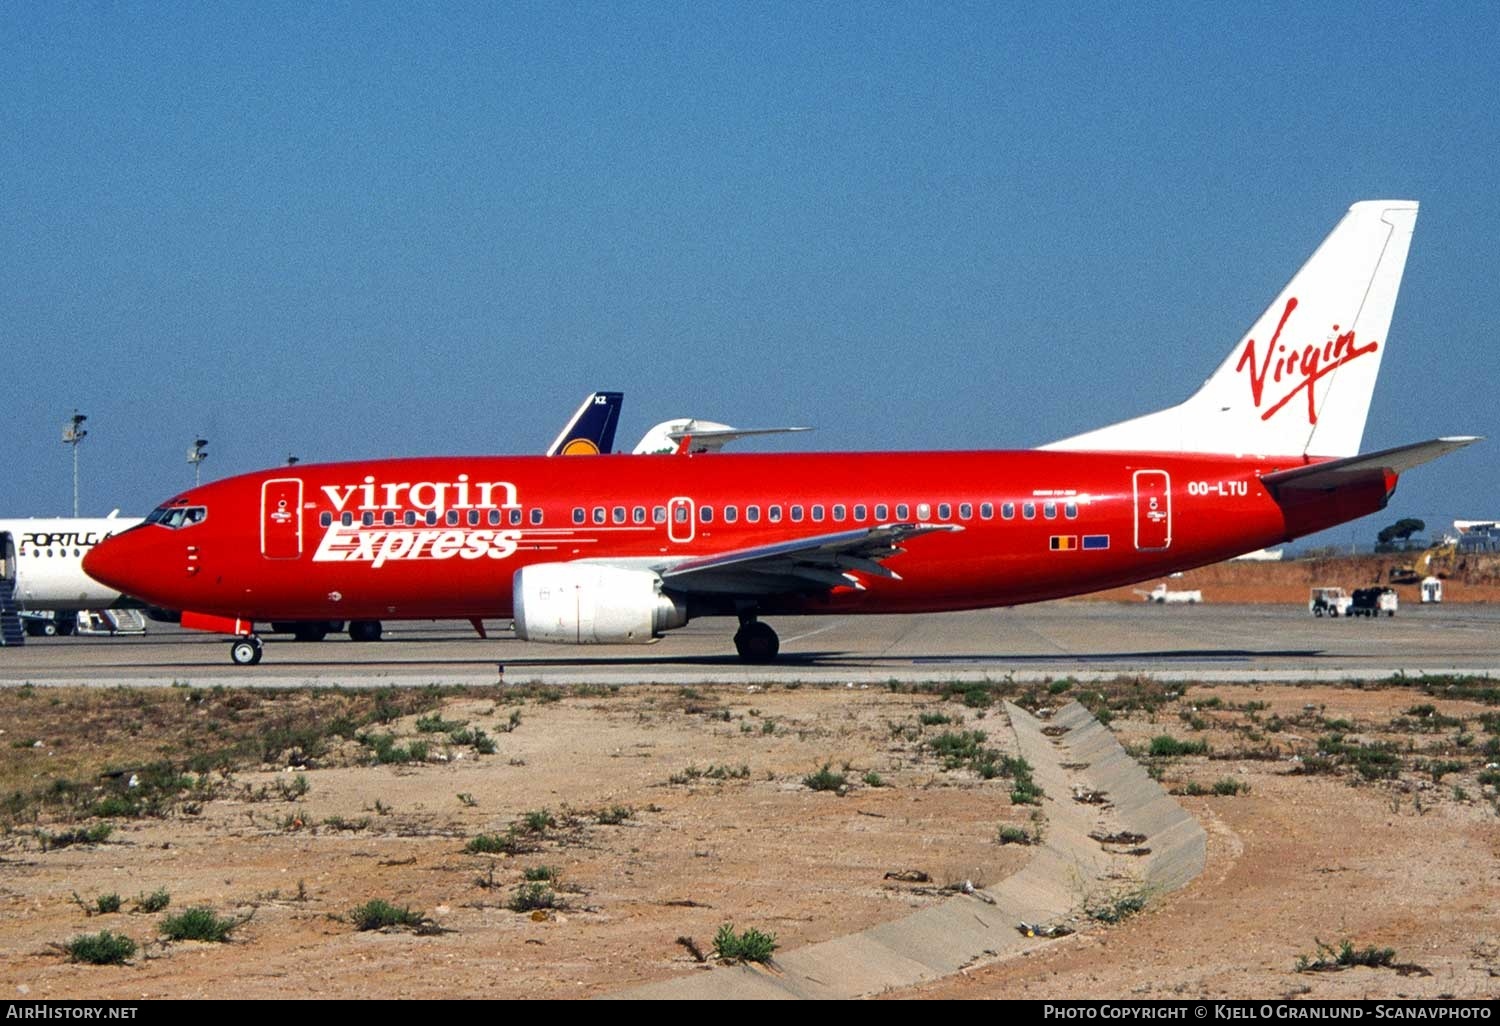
(616, 551)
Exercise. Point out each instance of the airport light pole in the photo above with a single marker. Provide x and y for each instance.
(196, 456)
(73, 433)
(292, 461)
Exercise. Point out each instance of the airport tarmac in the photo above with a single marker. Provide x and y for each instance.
(1084, 640)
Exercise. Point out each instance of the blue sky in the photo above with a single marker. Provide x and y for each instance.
(357, 230)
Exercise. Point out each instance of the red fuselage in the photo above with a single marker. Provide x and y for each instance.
(442, 537)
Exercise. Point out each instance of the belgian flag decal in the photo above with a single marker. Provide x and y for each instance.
(1063, 542)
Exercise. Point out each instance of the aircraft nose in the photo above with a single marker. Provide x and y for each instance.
(109, 563)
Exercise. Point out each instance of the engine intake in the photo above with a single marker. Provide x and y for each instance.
(589, 604)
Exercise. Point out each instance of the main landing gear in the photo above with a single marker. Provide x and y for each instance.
(245, 651)
(756, 642)
(364, 630)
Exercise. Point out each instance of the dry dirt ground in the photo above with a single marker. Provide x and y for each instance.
(675, 811)
(1466, 578)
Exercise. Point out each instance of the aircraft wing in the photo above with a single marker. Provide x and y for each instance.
(806, 564)
(1336, 473)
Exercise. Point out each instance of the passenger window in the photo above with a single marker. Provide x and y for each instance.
(452, 518)
(986, 510)
(388, 518)
(1008, 510)
(945, 511)
(731, 514)
(965, 511)
(1070, 510)
(773, 514)
(705, 514)
(431, 518)
(515, 516)
(473, 518)
(817, 514)
(618, 514)
(838, 513)
(924, 511)
(680, 514)
(796, 514)
(409, 517)
(658, 514)
(752, 514)
(1049, 510)
(367, 519)
(598, 514)
(325, 519)
(903, 512)
(347, 519)
(578, 517)
(638, 515)
(536, 516)
(1028, 510)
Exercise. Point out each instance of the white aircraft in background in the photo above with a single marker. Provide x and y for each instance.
(42, 578)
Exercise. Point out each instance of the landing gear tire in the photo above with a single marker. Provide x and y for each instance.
(310, 631)
(245, 651)
(66, 625)
(756, 642)
(364, 630)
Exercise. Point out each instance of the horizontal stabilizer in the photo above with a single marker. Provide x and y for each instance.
(704, 435)
(1336, 473)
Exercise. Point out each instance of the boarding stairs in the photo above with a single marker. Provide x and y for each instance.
(11, 631)
(111, 621)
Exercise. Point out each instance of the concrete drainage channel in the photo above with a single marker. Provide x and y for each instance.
(1105, 819)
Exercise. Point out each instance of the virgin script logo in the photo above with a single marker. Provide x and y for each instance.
(1297, 370)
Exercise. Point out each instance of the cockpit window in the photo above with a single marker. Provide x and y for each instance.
(174, 517)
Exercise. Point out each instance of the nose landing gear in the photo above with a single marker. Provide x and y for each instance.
(245, 651)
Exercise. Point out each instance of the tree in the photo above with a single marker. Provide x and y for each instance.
(1401, 531)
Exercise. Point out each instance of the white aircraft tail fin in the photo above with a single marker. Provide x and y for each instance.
(1301, 379)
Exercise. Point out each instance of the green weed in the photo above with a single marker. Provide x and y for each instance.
(1116, 908)
(96, 834)
(200, 924)
(531, 896)
(381, 915)
(153, 902)
(824, 780)
(103, 948)
(750, 946)
(1164, 746)
(1326, 959)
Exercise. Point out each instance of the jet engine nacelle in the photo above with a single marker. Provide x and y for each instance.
(588, 604)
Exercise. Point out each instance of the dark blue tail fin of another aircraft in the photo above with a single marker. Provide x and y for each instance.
(592, 429)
